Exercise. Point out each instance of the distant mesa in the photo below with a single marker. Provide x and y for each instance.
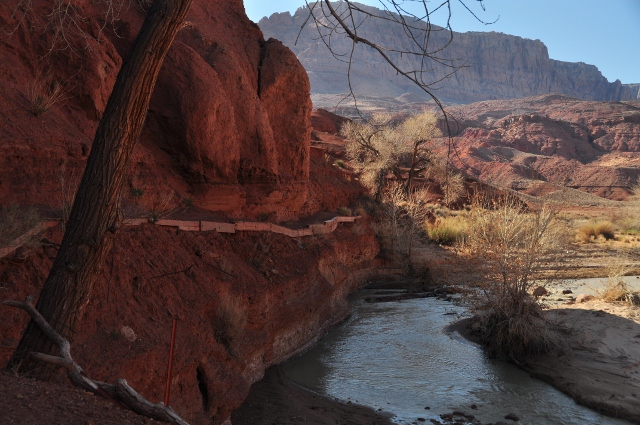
(497, 66)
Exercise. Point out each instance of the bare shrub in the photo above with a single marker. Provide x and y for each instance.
(228, 322)
(43, 93)
(159, 204)
(512, 248)
(400, 217)
(450, 181)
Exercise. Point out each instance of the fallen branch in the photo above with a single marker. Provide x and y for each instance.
(120, 392)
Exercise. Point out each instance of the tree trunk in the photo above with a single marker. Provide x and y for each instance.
(95, 215)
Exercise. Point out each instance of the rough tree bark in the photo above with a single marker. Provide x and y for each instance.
(95, 215)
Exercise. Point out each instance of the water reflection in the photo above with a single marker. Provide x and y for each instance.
(396, 356)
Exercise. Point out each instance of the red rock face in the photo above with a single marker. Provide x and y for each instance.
(244, 301)
(327, 122)
(592, 146)
(228, 126)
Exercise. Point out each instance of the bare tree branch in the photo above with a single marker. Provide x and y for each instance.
(346, 18)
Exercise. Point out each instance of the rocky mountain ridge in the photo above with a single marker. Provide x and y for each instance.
(495, 65)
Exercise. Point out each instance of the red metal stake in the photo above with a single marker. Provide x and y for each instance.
(173, 343)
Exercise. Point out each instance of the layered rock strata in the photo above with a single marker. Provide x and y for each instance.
(493, 65)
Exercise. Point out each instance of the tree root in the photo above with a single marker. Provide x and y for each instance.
(120, 393)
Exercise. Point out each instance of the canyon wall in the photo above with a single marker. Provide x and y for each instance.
(228, 127)
(494, 65)
(244, 302)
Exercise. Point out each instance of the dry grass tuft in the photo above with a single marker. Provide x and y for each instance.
(592, 231)
(15, 222)
(615, 289)
(43, 93)
(228, 322)
(448, 230)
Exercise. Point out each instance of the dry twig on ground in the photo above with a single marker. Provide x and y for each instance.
(120, 392)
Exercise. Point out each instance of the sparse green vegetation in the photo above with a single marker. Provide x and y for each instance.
(188, 203)
(136, 193)
(264, 217)
(340, 163)
(114, 335)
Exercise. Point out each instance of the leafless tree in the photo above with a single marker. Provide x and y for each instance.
(423, 50)
(417, 135)
(95, 215)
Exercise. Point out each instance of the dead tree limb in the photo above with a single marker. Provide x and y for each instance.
(121, 391)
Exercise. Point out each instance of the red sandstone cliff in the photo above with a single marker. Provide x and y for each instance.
(228, 127)
(228, 131)
(245, 301)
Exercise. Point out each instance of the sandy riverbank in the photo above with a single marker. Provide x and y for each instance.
(601, 366)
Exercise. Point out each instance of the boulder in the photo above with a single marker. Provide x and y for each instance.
(582, 298)
(540, 291)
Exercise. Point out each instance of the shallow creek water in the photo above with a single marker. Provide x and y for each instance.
(398, 356)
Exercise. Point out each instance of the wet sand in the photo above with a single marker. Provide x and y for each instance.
(277, 401)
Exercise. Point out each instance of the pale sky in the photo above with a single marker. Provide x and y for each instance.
(604, 33)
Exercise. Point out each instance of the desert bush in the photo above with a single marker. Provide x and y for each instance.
(511, 248)
(448, 230)
(344, 211)
(615, 288)
(591, 231)
(43, 93)
(228, 322)
(15, 222)
(400, 216)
